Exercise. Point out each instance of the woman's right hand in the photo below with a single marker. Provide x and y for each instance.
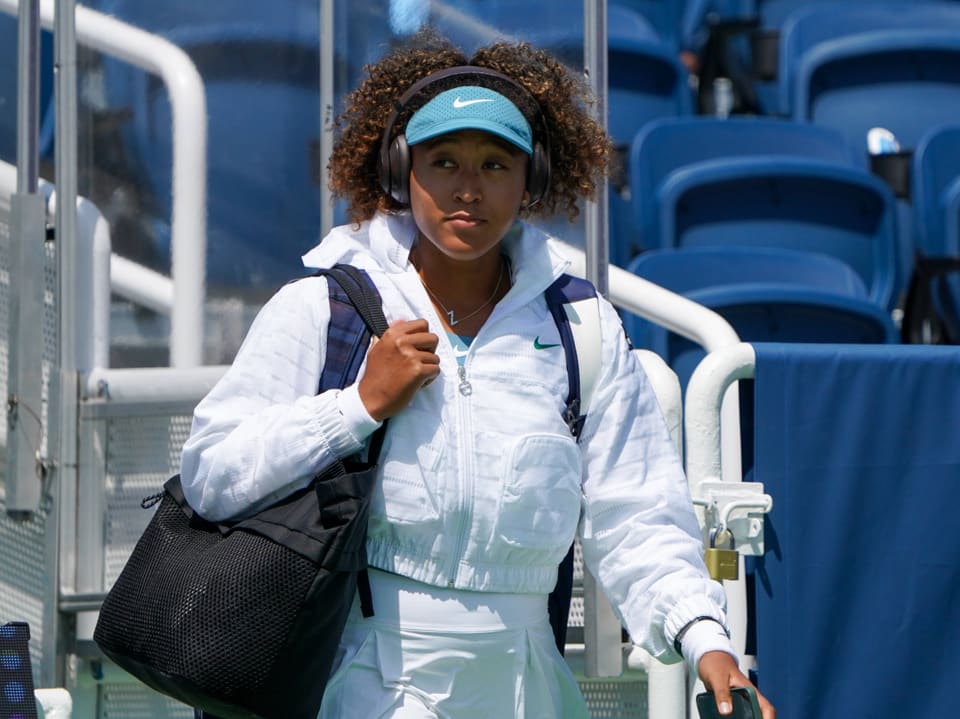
(402, 361)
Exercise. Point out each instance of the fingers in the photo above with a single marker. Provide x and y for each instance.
(766, 708)
(720, 673)
(418, 346)
(402, 362)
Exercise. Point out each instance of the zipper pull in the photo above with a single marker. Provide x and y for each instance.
(465, 388)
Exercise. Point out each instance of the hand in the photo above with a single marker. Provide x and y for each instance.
(719, 672)
(402, 361)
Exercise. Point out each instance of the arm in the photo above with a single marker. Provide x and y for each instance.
(640, 535)
(262, 431)
(639, 531)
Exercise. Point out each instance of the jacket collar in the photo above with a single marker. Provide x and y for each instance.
(384, 243)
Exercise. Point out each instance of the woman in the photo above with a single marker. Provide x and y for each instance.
(482, 488)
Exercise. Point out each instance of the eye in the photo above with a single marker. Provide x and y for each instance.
(443, 162)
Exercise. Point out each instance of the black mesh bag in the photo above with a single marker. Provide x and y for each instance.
(243, 619)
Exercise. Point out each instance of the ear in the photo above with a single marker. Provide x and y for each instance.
(524, 201)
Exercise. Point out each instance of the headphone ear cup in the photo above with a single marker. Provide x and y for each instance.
(399, 170)
(538, 183)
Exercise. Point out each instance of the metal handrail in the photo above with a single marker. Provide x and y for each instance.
(160, 57)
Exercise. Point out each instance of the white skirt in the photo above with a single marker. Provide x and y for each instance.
(433, 653)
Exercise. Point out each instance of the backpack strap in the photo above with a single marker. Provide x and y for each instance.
(356, 314)
(573, 303)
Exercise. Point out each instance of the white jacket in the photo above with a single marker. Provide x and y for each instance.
(482, 486)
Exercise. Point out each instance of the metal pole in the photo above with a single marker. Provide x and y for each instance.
(28, 93)
(603, 655)
(63, 423)
(326, 112)
(25, 427)
(595, 66)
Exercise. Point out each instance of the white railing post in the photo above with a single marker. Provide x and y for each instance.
(702, 420)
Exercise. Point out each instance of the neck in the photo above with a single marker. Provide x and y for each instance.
(463, 293)
(458, 282)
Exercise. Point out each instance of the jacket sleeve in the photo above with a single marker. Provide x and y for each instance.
(263, 431)
(639, 533)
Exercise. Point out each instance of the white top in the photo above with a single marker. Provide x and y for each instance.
(481, 487)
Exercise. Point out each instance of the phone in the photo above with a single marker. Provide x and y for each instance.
(745, 704)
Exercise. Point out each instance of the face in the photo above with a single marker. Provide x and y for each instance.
(466, 189)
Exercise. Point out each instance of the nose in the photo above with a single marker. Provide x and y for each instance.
(468, 186)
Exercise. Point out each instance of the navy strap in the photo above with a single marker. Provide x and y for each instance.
(564, 290)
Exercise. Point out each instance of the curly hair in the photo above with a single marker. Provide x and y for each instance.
(580, 151)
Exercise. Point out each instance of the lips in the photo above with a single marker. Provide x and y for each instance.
(465, 218)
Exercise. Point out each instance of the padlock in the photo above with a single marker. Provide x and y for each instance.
(723, 562)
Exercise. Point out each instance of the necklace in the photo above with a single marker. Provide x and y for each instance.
(451, 314)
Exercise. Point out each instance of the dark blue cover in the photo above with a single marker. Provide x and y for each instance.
(858, 596)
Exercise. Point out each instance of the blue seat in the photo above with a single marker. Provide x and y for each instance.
(666, 145)
(693, 268)
(665, 16)
(261, 74)
(936, 203)
(711, 182)
(787, 202)
(936, 169)
(853, 66)
(767, 295)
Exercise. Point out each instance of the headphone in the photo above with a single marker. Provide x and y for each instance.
(393, 166)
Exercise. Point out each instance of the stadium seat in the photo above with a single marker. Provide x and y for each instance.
(787, 202)
(667, 145)
(936, 169)
(767, 295)
(693, 268)
(665, 16)
(704, 181)
(935, 288)
(853, 66)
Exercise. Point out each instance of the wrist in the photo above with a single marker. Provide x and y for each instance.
(702, 635)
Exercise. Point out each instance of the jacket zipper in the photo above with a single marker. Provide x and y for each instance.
(464, 469)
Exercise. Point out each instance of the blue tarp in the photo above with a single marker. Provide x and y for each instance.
(858, 595)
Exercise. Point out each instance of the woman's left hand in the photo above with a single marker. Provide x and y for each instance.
(719, 672)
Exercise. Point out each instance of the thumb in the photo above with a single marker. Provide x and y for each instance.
(724, 700)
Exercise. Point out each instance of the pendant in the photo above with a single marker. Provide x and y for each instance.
(453, 322)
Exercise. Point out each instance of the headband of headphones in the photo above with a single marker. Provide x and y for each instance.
(394, 158)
